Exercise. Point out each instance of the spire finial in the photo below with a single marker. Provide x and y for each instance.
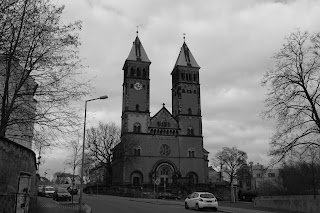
(137, 30)
(184, 37)
(163, 104)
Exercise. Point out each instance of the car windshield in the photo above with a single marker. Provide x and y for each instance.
(207, 195)
(49, 189)
(63, 190)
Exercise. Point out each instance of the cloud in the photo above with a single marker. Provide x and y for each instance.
(232, 41)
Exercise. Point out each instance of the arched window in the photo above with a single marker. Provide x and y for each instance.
(138, 72)
(131, 72)
(195, 91)
(137, 127)
(137, 107)
(190, 111)
(144, 73)
(137, 151)
(190, 130)
(191, 153)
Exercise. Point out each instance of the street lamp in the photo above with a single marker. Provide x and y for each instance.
(83, 144)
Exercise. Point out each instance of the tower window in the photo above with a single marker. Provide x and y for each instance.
(190, 130)
(194, 77)
(144, 73)
(195, 91)
(191, 153)
(136, 127)
(183, 91)
(131, 86)
(190, 111)
(137, 151)
(138, 72)
(143, 86)
(137, 107)
(131, 72)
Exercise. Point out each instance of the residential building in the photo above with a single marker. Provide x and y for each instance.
(21, 121)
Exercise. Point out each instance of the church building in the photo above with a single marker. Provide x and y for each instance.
(168, 146)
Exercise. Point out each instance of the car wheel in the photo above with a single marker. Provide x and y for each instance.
(186, 205)
(197, 207)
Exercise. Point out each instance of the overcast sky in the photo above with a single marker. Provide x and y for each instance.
(232, 41)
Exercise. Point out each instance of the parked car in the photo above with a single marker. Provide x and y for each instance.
(72, 191)
(40, 190)
(47, 191)
(167, 195)
(61, 194)
(201, 200)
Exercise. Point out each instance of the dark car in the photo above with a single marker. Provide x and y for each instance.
(72, 191)
(167, 195)
(61, 194)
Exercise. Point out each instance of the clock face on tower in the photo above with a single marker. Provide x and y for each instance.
(137, 86)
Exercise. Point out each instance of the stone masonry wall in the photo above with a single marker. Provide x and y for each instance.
(14, 159)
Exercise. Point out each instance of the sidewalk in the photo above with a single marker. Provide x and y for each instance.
(48, 205)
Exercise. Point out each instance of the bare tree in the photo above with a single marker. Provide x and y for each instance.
(293, 97)
(101, 140)
(74, 158)
(231, 161)
(39, 58)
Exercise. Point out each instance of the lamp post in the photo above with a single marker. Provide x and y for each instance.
(83, 145)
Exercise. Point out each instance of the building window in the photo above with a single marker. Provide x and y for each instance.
(131, 72)
(190, 130)
(195, 91)
(137, 107)
(271, 174)
(137, 127)
(144, 73)
(165, 150)
(131, 86)
(136, 151)
(190, 111)
(138, 72)
(191, 153)
(183, 91)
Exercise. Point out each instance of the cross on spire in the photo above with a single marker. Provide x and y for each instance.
(163, 104)
(184, 37)
(137, 30)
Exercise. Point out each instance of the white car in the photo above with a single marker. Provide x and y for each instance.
(47, 191)
(201, 200)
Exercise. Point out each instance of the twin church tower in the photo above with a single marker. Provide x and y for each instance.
(167, 147)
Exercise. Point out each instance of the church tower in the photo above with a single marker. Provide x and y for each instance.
(186, 108)
(136, 91)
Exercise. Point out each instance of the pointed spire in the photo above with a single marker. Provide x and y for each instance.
(137, 52)
(185, 57)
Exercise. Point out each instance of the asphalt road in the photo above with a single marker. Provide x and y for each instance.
(114, 204)
(105, 204)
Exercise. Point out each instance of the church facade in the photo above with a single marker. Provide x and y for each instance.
(166, 146)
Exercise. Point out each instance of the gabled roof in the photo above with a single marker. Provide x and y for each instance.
(163, 113)
(186, 58)
(137, 52)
